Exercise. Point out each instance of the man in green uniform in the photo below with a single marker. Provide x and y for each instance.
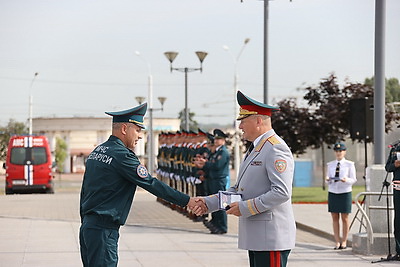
(112, 174)
(393, 165)
(218, 169)
(204, 152)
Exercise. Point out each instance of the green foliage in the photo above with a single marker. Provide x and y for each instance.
(392, 93)
(193, 125)
(326, 118)
(316, 194)
(61, 153)
(392, 88)
(12, 128)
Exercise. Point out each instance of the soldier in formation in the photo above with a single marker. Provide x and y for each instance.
(191, 163)
(217, 167)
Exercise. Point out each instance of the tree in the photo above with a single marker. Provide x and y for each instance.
(13, 128)
(294, 124)
(331, 109)
(193, 125)
(325, 120)
(392, 88)
(61, 153)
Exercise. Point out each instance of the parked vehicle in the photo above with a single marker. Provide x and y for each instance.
(28, 165)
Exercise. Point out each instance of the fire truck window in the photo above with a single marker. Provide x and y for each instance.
(18, 156)
(39, 155)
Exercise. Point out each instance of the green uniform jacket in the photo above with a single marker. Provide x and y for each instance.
(390, 162)
(218, 164)
(112, 174)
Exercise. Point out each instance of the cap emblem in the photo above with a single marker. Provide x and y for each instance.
(247, 112)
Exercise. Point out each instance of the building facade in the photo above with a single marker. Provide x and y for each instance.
(83, 134)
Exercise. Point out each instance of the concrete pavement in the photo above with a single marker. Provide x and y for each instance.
(42, 230)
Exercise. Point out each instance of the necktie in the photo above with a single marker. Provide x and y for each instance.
(337, 171)
(249, 150)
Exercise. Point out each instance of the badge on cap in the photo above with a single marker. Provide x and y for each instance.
(339, 147)
(280, 165)
(249, 106)
(219, 134)
(142, 171)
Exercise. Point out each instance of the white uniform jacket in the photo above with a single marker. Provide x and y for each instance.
(265, 182)
(347, 170)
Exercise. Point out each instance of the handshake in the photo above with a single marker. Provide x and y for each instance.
(197, 205)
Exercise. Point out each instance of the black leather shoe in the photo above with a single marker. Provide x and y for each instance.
(394, 257)
(207, 223)
(218, 232)
(211, 226)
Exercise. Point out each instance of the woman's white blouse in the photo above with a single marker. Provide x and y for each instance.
(347, 170)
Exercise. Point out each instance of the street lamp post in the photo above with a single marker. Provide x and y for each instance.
(266, 18)
(379, 83)
(266, 51)
(31, 103)
(235, 89)
(171, 57)
(140, 99)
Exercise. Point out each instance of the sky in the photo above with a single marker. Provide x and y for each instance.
(84, 52)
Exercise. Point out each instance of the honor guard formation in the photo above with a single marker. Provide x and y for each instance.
(197, 164)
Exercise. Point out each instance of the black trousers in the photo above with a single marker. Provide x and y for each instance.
(218, 218)
(268, 258)
(396, 202)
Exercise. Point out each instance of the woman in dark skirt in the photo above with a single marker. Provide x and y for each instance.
(341, 175)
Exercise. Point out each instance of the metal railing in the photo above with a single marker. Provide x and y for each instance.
(365, 211)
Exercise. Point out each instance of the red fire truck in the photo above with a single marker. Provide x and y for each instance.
(29, 165)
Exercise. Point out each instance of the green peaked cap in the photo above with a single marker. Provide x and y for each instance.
(134, 115)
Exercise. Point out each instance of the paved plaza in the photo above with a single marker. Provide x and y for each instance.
(42, 230)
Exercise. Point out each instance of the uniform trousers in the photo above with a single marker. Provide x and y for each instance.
(396, 202)
(201, 189)
(268, 258)
(218, 218)
(98, 245)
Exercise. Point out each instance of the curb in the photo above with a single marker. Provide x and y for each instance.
(319, 232)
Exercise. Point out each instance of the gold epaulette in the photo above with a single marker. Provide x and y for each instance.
(260, 144)
(273, 140)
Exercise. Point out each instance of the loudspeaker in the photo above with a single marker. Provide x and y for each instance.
(362, 118)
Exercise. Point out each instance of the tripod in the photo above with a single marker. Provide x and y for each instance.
(386, 185)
